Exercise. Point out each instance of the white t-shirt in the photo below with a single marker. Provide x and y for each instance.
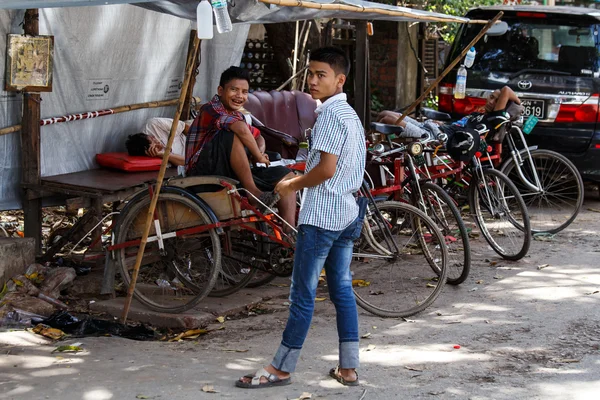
(160, 128)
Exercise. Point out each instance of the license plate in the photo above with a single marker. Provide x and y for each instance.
(534, 107)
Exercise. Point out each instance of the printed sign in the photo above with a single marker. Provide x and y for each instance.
(529, 124)
(174, 88)
(99, 89)
(8, 96)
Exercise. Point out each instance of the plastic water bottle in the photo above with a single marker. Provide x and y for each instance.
(461, 83)
(204, 20)
(470, 57)
(221, 15)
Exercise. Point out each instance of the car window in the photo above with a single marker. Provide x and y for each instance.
(565, 48)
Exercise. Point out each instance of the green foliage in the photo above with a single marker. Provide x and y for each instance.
(453, 7)
(430, 102)
(376, 104)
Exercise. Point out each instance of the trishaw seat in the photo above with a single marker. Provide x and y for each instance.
(210, 189)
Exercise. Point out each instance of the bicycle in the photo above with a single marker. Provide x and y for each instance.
(187, 243)
(494, 201)
(422, 193)
(549, 182)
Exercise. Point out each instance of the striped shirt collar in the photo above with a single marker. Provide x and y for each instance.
(329, 101)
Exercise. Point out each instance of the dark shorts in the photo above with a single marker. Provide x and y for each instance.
(215, 160)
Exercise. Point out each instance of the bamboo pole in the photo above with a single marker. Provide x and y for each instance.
(161, 174)
(295, 60)
(94, 114)
(449, 68)
(284, 84)
(361, 9)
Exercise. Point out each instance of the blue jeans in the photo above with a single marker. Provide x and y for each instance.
(317, 248)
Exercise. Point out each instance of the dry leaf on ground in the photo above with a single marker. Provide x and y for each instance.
(52, 333)
(190, 334)
(209, 389)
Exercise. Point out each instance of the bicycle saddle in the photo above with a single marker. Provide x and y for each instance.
(386, 129)
(436, 115)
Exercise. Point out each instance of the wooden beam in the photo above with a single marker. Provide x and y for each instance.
(361, 85)
(30, 149)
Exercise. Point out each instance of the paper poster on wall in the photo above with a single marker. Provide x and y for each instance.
(29, 63)
(99, 89)
(174, 88)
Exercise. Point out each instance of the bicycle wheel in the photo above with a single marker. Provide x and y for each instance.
(554, 207)
(407, 283)
(178, 278)
(240, 248)
(440, 207)
(500, 214)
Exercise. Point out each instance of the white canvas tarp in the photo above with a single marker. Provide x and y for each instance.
(134, 54)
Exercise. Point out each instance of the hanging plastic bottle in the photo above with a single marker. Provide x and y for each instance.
(470, 57)
(204, 20)
(221, 15)
(461, 83)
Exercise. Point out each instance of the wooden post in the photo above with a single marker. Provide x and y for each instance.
(362, 97)
(449, 68)
(161, 174)
(30, 149)
(188, 98)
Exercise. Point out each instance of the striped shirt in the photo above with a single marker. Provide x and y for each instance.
(338, 130)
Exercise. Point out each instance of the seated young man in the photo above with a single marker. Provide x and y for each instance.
(498, 103)
(152, 141)
(220, 137)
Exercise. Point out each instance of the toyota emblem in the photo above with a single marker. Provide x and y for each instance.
(524, 85)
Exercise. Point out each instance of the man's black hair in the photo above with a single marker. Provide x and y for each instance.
(137, 144)
(334, 56)
(232, 73)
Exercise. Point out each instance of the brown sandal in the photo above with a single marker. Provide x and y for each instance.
(335, 374)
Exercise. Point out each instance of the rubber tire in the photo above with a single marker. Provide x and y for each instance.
(248, 278)
(507, 167)
(442, 276)
(459, 277)
(129, 214)
(473, 192)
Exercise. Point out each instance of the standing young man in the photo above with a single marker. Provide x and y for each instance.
(330, 220)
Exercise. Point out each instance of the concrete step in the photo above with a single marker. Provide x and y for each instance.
(206, 312)
(15, 256)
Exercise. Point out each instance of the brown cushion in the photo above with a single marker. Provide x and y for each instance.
(289, 112)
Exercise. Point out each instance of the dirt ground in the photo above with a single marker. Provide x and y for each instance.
(526, 330)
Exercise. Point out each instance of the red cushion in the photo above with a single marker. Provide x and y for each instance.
(125, 162)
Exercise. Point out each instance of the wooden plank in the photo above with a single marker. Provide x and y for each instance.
(30, 149)
(361, 85)
(103, 180)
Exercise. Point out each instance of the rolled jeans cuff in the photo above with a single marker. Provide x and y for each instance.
(349, 355)
(286, 359)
